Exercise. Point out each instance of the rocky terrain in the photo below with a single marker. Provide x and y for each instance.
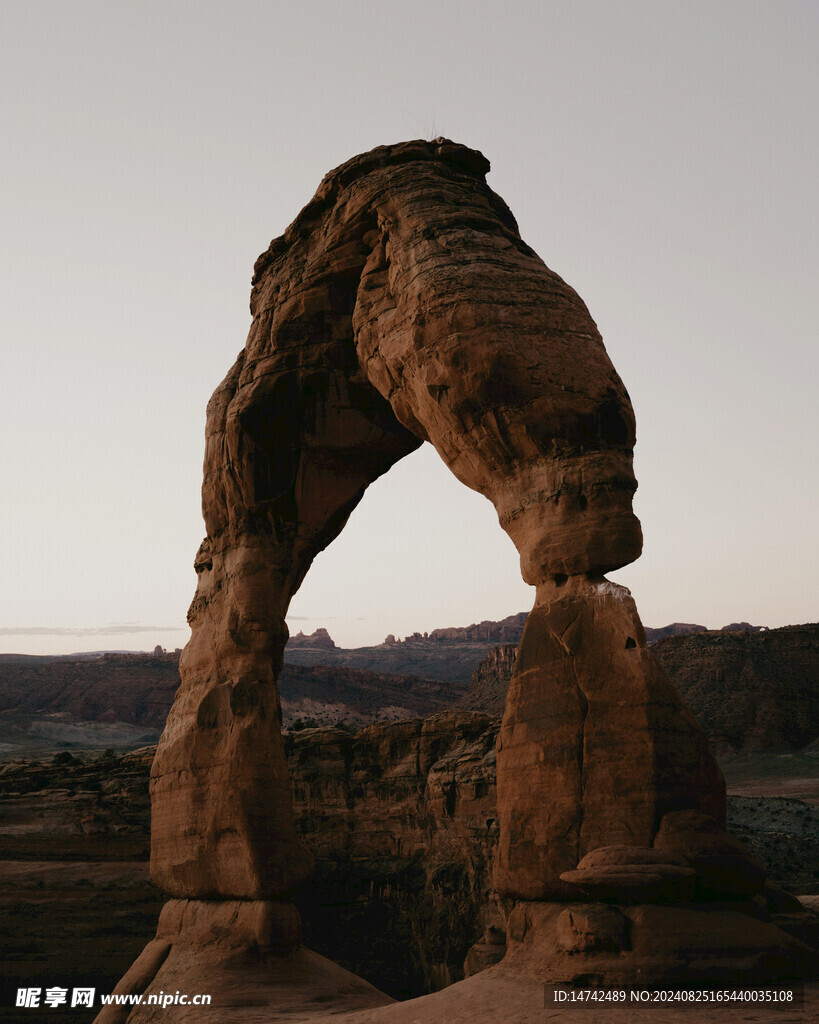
(401, 820)
(76, 901)
(449, 655)
(113, 700)
(752, 689)
(490, 681)
(121, 700)
(401, 307)
(653, 636)
(508, 630)
(400, 816)
(335, 694)
(672, 629)
(132, 688)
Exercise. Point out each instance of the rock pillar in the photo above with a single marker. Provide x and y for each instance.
(595, 746)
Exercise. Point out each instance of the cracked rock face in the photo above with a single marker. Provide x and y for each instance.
(595, 745)
(402, 306)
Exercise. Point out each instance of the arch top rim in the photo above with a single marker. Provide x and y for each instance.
(440, 150)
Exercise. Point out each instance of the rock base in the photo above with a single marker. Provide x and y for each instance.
(606, 945)
(244, 955)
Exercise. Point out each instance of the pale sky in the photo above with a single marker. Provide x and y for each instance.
(660, 156)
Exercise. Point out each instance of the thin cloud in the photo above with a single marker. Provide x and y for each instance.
(310, 618)
(114, 629)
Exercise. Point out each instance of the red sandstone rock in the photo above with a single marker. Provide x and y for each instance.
(402, 306)
(591, 928)
(381, 318)
(633, 874)
(642, 883)
(712, 945)
(722, 863)
(595, 743)
(631, 856)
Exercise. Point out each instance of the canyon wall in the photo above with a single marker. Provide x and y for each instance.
(751, 690)
(402, 822)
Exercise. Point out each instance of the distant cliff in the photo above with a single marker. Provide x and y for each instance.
(450, 661)
(122, 700)
(335, 694)
(134, 688)
(449, 654)
(400, 817)
(750, 689)
(682, 628)
(320, 640)
(487, 690)
(402, 822)
(673, 629)
(508, 630)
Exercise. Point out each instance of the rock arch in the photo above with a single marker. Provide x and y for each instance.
(402, 306)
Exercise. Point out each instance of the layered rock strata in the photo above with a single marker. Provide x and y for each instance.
(402, 822)
(753, 689)
(402, 306)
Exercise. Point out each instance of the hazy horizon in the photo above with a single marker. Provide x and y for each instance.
(659, 157)
(296, 625)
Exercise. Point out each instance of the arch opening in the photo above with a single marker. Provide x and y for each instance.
(419, 552)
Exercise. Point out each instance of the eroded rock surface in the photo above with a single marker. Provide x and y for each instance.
(402, 306)
(490, 681)
(751, 690)
(772, 677)
(400, 886)
(595, 744)
(402, 822)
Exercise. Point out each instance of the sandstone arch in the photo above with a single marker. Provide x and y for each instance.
(402, 306)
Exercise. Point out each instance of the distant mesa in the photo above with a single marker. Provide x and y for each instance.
(653, 636)
(673, 629)
(752, 688)
(508, 630)
(505, 631)
(448, 654)
(318, 639)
